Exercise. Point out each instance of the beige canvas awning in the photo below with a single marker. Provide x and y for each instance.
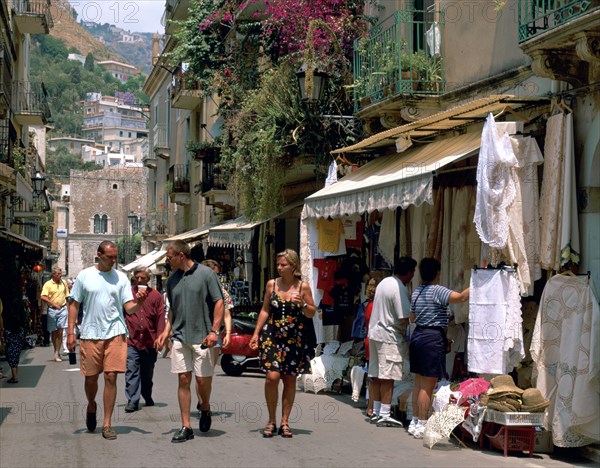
(388, 182)
(147, 260)
(459, 116)
(192, 235)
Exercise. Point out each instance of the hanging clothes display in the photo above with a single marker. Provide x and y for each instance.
(566, 352)
(387, 236)
(495, 185)
(559, 237)
(524, 239)
(495, 342)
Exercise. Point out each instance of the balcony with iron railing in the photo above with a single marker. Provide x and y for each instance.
(186, 92)
(561, 37)
(178, 180)
(213, 186)
(149, 160)
(175, 10)
(156, 224)
(402, 55)
(536, 17)
(32, 16)
(30, 103)
(5, 81)
(160, 141)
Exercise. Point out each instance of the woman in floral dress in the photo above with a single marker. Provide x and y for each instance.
(284, 349)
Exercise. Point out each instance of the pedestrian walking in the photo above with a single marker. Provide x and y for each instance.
(54, 293)
(144, 328)
(193, 290)
(284, 345)
(105, 294)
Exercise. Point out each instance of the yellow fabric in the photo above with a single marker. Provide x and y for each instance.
(57, 293)
(329, 234)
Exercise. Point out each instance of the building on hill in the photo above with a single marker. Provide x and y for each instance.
(73, 144)
(121, 71)
(113, 121)
(77, 58)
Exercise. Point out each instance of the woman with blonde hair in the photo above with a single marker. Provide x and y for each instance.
(284, 345)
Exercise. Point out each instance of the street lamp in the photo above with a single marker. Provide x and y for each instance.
(38, 182)
(312, 84)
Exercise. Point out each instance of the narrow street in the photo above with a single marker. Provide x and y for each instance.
(42, 424)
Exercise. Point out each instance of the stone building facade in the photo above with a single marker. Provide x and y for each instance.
(107, 204)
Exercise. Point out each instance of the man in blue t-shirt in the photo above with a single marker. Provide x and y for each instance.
(193, 290)
(105, 293)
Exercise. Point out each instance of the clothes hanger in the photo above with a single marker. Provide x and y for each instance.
(510, 110)
(565, 107)
(567, 273)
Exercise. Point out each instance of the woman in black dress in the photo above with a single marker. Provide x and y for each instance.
(285, 348)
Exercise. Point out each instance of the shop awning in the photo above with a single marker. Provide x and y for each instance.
(147, 260)
(458, 116)
(28, 243)
(191, 236)
(397, 180)
(236, 232)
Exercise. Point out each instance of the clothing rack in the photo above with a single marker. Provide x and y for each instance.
(501, 266)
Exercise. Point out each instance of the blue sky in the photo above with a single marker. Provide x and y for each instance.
(131, 15)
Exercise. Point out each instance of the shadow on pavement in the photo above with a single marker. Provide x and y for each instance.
(29, 376)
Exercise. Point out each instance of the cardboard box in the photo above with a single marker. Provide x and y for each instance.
(542, 442)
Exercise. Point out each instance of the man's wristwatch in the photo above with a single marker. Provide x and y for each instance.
(215, 332)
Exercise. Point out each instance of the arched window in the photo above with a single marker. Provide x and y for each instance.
(104, 224)
(97, 224)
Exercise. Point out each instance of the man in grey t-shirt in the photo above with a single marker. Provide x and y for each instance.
(387, 334)
(193, 290)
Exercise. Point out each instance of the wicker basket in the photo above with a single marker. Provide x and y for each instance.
(515, 419)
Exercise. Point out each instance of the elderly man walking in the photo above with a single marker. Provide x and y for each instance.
(105, 293)
(144, 328)
(54, 293)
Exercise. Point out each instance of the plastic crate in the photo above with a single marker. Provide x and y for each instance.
(513, 439)
(515, 419)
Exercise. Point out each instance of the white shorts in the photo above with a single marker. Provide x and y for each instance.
(385, 360)
(185, 358)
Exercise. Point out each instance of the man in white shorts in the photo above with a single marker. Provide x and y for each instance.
(387, 339)
(193, 290)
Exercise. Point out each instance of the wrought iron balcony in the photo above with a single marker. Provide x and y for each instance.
(536, 17)
(402, 55)
(30, 103)
(150, 161)
(33, 16)
(175, 10)
(160, 141)
(186, 92)
(156, 224)
(6, 67)
(179, 181)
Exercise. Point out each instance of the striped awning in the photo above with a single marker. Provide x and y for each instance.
(147, 260)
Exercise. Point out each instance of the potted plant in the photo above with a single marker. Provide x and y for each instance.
(202, 150)
(428, 69)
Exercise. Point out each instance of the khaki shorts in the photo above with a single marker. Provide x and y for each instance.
(385, 360)
(185, 358)
(98, 356)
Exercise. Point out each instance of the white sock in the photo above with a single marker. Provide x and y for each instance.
(421, 422)
(385, 410)
(376, 407)
(414, 420)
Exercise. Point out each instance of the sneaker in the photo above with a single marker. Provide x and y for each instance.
(411, 427)
(205, 421)
(373, 419)
(109, 433)
(419, 431)
(388, 421)
(131, 407)
(185, 433)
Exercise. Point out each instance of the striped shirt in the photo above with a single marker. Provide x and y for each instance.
(430, 305)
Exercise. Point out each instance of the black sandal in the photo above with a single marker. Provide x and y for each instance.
(12, 380)
(285, 431)
(269, 430)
